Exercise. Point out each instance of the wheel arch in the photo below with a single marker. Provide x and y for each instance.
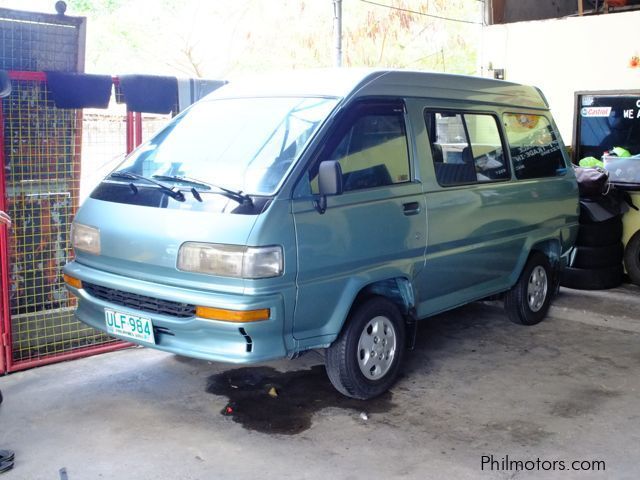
(398, 290)
(551, 248)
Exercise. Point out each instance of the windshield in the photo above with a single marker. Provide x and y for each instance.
(243, 144)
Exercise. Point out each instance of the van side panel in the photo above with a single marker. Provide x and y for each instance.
(475, 239)
(363, 237)
(480, 235)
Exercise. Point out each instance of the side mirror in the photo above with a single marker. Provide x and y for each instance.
(329, 182)
(5, 84)
(330, 178)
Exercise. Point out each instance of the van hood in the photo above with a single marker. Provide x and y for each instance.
(142, 242)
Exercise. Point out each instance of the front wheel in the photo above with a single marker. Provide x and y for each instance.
(528, 301)
(365, 359)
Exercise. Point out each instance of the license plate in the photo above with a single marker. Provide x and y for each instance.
(130, 326)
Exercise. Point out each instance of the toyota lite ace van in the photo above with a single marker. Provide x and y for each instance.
(328, 210)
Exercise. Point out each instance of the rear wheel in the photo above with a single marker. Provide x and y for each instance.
(365, 359)
(528, 301)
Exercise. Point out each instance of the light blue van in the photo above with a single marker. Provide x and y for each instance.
(328, 210)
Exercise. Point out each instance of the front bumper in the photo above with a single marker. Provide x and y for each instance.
(195, 337)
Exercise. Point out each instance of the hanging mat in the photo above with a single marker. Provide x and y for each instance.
(79, 90)
(149, 93)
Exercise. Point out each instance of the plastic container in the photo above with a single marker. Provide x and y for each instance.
(624, 172)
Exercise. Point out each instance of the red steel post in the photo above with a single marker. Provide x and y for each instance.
(138, 123)
(5, 314)
(130, 132)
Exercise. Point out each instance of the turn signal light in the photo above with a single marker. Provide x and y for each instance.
(239, 316)
(72, 281)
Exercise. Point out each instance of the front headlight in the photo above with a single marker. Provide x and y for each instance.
(231, 260)
(85, 238)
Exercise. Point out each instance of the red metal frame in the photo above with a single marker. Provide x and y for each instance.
(133, 139)
(130, 133)
(5, 324)
(28, 76)
(134, 130)
(8, 363)
(134, 124)
(79, 353)
(134, 134)
(138, 124)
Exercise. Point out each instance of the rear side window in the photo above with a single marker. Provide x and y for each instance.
(466, 148)
(371, 147)
(534, 146)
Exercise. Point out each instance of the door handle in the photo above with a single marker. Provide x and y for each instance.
(411, 208)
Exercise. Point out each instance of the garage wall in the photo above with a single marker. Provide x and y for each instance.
(562, 56)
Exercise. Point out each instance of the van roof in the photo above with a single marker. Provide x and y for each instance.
(355, 82)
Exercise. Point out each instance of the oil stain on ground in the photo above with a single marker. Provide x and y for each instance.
(268, 401)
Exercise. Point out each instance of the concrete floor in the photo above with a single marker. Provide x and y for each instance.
(476, 385)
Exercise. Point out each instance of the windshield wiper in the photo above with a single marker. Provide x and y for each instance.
(173, 192)
(236, 195)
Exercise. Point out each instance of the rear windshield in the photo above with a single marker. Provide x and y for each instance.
(245, 144)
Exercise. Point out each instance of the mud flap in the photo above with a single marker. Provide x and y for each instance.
(412, 329)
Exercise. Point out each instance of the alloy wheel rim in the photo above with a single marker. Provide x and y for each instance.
(537, 288)
(377, 348)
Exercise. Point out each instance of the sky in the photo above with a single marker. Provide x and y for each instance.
(226, 38)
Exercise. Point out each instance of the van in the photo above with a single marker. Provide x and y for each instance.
(328, 210)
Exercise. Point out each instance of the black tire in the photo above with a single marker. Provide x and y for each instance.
(632, 258)
(600, 234)
(344, 357)
(528, 301)
(592, 278)
(585, 218)
(598, 257)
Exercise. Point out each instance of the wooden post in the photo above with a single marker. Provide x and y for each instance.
(497, 12)
(580, 7)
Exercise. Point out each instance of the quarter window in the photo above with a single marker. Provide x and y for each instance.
(372, 148)
(535, 149)
(466, 148)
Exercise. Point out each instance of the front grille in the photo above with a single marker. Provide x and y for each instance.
(140, 302)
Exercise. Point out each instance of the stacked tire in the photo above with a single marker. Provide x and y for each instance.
(597, 260)
(632, 258)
